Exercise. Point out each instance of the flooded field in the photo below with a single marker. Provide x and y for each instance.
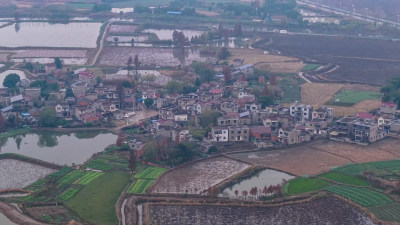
(264, 178)
(59, 148)
(3, 75)
(50, 53)
(118, 56)
(65, 61)
(136, 38)
(322, 211)
(166, 34)
(18, 174)
(3, 57)
(198, 177)
(41, 34)
(122, 29)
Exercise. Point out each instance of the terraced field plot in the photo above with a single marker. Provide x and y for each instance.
(387, 212)
(303, 185)
(361, 196)
(389, 170)
(107, 162)
(344, 179)
(145, 179)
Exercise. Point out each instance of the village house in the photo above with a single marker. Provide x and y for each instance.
(293, 135)
(388, 108)
(50, 67)
(219, 134)
(63, 110)
(186, 103)
(260, 133)
(88, 77)
(247, 69)
(150, 93)
(229, 106)
(300, 112)
(231, 119)
(239, 133)
(180, 134)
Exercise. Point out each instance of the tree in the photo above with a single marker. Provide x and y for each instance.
(29, 66)
(120, 140)
(148, 102)
(236, 193)
(224, 53)
(237, 30)
(69, 93)
(173, 87)
(227, 74)
(116, 40)
(58, 63)
(265, 101)
(11, 80)
(265, 190)
(132, 42)
(2, 121)
(126, 84)
(208, 117)
(137, 63)
(129, 64)
(98, 80)
(48, 117)
(179, 39)
(132, 160)
(150, 151)
(245, 193)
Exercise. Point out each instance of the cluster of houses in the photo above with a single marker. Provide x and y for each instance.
(80, 97)
(365, 128)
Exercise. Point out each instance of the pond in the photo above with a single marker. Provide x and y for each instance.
(5, 221)
(57, 147)
(42, 34)
(264, 178)
(3, 75)
(166, 34)
(65, 61)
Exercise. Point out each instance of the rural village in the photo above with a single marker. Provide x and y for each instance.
(243, 114)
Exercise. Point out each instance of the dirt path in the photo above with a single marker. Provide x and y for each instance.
(103, 37)
(16, 216)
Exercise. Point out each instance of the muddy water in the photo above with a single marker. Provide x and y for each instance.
(41, 34)
(59, 148)
(5, 221)
(264, 178)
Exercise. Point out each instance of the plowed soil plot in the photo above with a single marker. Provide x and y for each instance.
(322, 211)
(18, 174)
(360, 60)
(118, 56)
(198, 177)
(122, 29)
(316, 158)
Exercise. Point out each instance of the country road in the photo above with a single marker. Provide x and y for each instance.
(100, 47)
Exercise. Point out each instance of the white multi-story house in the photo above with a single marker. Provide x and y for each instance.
(301, 112)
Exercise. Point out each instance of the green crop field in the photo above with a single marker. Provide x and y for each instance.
(310, 67)
(303, 185)
(344, 179)
(150, 173)
(72, 177)
(387, 212)
(95, 203)
(89, 177)
(361, 196)
(389, 170)
(68, 194)
(291, 88)
(108, 162)
(139, 186)
(351, 97)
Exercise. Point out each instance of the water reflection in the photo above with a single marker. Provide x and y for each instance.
(58, 147)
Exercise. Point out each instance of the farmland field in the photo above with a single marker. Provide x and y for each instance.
(118, 56)
(145, 179)
(150, 173)
(390, 169)
(122, 29)
(18, 174)
(388, 212)
(107, 162)
(140, 186)
(351, 97)
(198, 177)
(310, 67)
(303, 185)
(360, 59)
(322, 211)
(344, 179)
(361, 196)
(95, 203)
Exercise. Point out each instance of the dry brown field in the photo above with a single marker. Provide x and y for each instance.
(319, 157)
(271, 63)
(320, 93)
